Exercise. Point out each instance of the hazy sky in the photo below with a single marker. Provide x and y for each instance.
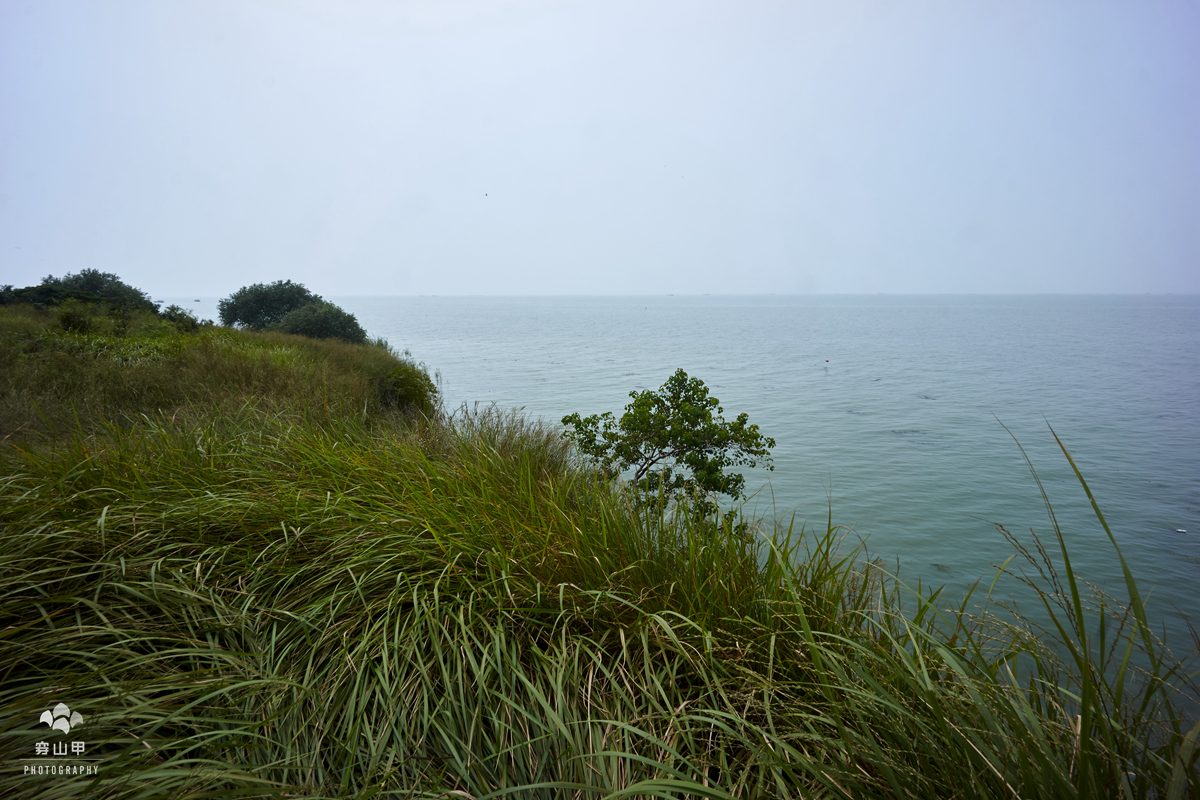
(611, 147)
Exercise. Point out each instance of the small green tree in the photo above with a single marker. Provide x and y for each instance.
(322, 320)
(674, 440)
(260, 305)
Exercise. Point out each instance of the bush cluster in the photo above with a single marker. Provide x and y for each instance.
(322, 320)
(261, 305)
(408, 388)
(183, 319)
(89, 286)
(289, 308)
(73, 316)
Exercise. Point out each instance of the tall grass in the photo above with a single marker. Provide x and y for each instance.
(262, 605)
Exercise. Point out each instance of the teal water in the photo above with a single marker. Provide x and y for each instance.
(888, 407)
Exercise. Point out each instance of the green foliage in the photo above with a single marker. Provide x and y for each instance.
(408, 388)
(675, 440)
(81, 298)
(42, 295)
(183, 319)
(89, 286)
(290, 308)
(91, 283)
(260, 306)
(73, 316)
(322, 320)
(119, 317)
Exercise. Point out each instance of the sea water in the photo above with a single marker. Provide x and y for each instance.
(888, 411)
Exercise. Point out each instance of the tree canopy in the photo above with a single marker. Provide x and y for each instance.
(674, 440)
(260, 305)
(105, 285)
(89, 286)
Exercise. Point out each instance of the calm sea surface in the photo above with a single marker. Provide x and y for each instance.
(888, 407)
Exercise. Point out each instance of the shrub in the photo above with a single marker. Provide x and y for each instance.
(181, 318)
(322, 320)
(408, 388)
(73, 316)
(118, 315)
(261, 306)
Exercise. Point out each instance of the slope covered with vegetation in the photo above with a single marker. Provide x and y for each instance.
(86, 366)
(261, 565)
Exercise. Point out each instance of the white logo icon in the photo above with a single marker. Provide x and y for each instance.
(62, 718)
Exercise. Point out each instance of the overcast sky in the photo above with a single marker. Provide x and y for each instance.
(610, 147)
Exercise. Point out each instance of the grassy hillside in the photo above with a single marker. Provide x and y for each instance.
(77, 365)
(254, 574)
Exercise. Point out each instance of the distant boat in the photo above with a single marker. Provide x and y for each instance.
(196, 301)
